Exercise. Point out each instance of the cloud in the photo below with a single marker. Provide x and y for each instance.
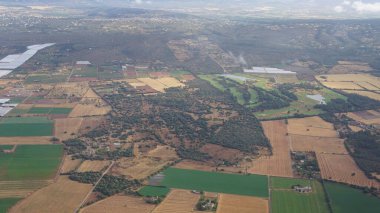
(339, 9)
(366, 7)
(357, 6)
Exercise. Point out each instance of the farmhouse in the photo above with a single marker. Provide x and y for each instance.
(302, 189)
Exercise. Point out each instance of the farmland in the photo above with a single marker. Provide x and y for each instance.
(154, 191)
(312, 126)
(254, 185)
(31, 162)
(119, 204)
(345, 199)
(25, 126)
(180, 201)
(278, 164)
(241, 204)
(92, 166)
(62, 196)
(284, 199)
(47, 110)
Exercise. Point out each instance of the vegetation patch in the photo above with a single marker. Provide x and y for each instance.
(7, 203)
(252, 185)
(152, 191)
(30, 162)
(345, 199)
(26, 126)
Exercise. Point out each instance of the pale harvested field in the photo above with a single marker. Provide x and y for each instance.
(342, 85)
(62, 196)
(24, 140)
(138, 84)
(20, 188)
(120, 204)
(369, 120)
(140, 167)
(163, 152)
(178, 201)
(341, 168)
(279, 164)
(93, 166)
(85, 110)
(370, 79)
(170, 82)
(311, 126)
(69, 164)
(347, 67)
(301, 143)
(153, 83)
(368, 94)
(195, 165)
(66, 128)
(90, 123)
(367, 85)
(241, 204)
(355, 128)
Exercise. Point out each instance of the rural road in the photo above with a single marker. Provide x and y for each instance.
(93, 188)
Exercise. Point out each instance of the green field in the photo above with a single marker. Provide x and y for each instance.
(7, 203)
(30, 162)
(49, 110)
(345, 199)
(252, 185)
(154, 191)
(26, 126)
(285, 200)
(86, 72)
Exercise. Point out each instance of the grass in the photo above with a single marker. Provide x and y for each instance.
(49, 110)
(285, 200)
(150, 191)
(86, 72)
(7, 203)
(251, 185)
(345, 199)
(212, 81)
(30, 162)
(25, 126)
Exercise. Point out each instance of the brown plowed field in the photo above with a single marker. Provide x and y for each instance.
(367, 117)
(178, 201)
(342, 168)
(301, 143)
(66, 128)
(120, 204)
(62, 196)
(372, 95)
(311, 126)
(279, 164)
(219, 152)
(93, 166)
(241, 204)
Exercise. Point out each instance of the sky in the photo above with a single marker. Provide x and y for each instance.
(313, 8)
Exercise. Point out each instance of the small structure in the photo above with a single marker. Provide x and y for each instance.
(83, 63)
(302, 189)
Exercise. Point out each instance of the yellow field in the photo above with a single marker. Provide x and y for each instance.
(170, 82)
(66, 128)
(120, 204)
(367, 86)
(279, 164)
(342, 168)
(342, 85)
(62, 196)
(153, 83)
(372, 95)
(241, 204)
(301, 143)
(69, 89)
(311, 126)
(93, 165)
(137, 84)
(69, 164)
(347, 67)
(85, 110)
(24, 140)
(368, 120)
(178, 201)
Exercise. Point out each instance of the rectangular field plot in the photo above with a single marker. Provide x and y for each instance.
(345, 199)
(45, 78)
(49, 110)
(30, 162)
(285, 200)
(178, 201)
(241, 204)
(252, 185)
(26, 126)
(154, 191)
